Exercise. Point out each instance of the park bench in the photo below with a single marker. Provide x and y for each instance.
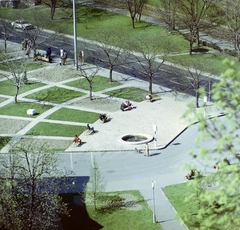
(41, 57)
(153, 97)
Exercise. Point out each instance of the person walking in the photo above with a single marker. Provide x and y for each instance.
(63, 56)
(48, 53)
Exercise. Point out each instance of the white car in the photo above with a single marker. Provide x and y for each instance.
(21, 24)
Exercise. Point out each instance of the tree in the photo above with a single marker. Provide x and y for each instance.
(191, 13)
(5, 33)
(135, 8)
(220, 200)
(152, 52)
(18, 76)
(95, 186)
(53, 4)
(231, 9)
(167, 12)
(195, 79)
(89, 76)
(113, 55)
(29, 185)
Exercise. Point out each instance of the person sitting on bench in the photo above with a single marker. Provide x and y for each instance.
(77, 140)
(103, 118)
(90, 128)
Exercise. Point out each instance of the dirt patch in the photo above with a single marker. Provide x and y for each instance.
(131, 202)
(56, 74)
(99, 103)
(49, 144)
(11, 126)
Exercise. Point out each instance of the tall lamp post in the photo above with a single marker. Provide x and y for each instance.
(75, 36)
(154, 215)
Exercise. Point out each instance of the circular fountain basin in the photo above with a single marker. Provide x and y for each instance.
(135, 139)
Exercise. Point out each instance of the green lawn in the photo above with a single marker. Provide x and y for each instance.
(129, 93)
(55, 95)
(111, 216)
(99, 83)
(30, 65)
(51, 129)
(7, 87)
(4, 141)
(20, 109)
(74, 115)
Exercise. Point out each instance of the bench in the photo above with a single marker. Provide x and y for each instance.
(42, 58)
(153, 97)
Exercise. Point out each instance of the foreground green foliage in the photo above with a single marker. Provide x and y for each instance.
(4, 141)
(218, 194)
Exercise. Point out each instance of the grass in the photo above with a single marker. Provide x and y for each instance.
(74, 115)
(129, 93)
(29, 66)
(20, 109)
(112, 216)
(4, 141)
(211, 63)
(52, 129)
(7, 87)
(55, 95)
(99, 83)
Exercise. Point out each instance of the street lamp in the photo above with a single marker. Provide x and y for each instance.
(75, 36)
(154, 215)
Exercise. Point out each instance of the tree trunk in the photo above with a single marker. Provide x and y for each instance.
(16, 94)
(90, 91)
(150, 84)
(133, 24)
(110, 73)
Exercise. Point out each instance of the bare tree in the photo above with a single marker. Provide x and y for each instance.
(167, 12)
(5, 33)
(191, 13)
(29, 185)
(195, 79)
(152, 53)
(95, 186)
(53, 4)
(231, 9)
(89, 75)
(135, 8)
(18, 77)
(113, 55)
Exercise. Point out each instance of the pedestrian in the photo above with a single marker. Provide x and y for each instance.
(63, 56)
(29, 46)
(48, 53)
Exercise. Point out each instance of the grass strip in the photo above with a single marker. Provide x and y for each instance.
(99, 83)
(129, 93)
(53, 129)
(20, 109)
(55, 95)
(74, 115)
(7, 87)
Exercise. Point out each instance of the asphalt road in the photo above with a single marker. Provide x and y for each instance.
(167, 76)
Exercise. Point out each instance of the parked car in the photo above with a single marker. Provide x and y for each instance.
(21, 24)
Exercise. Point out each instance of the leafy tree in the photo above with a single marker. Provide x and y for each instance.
(220, 198)
(95, 186)
(29, 185)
